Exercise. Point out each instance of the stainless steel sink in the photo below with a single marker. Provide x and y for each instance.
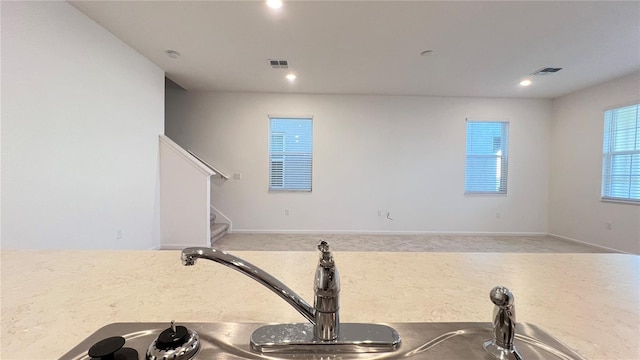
(437, 341)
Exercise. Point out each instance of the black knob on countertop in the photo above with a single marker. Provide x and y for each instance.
(112, 349)
(172, 337)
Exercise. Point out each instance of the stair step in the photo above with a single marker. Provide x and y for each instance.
(218, 230)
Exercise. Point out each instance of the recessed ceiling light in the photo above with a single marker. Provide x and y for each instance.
(173, 54)
(426, 52)
(525, 82)
(274, 4)
(291, 77)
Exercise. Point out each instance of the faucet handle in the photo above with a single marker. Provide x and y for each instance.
(501, 297)
(323, 246)
(326, 259)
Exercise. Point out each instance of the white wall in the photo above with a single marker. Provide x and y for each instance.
(402, 154)
(81, 116)
(184, 198)
(575, 208)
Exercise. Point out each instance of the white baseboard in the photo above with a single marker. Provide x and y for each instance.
(589, 244)
(384, 232)
(155, 247)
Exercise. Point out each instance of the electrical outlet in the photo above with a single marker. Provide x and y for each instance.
(497, 215)
(119, 235)
(237, 176)
(286, 212)
(609, 225)
(379, 212)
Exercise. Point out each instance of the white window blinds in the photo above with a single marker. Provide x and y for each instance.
(290, 154)
(486, 157)
(621, 154)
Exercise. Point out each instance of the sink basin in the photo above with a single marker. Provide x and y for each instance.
(437, 341)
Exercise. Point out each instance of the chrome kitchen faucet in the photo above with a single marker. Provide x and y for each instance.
(323, 333)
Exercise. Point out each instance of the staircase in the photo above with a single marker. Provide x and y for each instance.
(218, 230)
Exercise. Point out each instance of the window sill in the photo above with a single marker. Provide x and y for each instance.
(620, 201)
(288, 191)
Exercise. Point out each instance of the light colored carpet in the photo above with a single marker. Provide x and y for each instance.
(402, 243)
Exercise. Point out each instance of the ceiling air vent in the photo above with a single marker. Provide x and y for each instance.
(279, 64)
(546, 71)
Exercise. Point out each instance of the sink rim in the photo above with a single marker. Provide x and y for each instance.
(231, 340)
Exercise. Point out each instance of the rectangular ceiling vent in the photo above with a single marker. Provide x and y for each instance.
(546, 71)
(279, 64)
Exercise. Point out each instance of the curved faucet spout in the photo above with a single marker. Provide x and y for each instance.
(190, 255)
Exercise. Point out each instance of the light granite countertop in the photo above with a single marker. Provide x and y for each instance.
(52, 300)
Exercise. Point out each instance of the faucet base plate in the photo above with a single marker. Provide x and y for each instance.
(498, 352)
(299, 338)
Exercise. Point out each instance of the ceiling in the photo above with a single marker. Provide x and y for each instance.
(480, 48)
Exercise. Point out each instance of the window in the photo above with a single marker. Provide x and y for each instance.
(290, 154)
(487, 154)
(621, 155)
